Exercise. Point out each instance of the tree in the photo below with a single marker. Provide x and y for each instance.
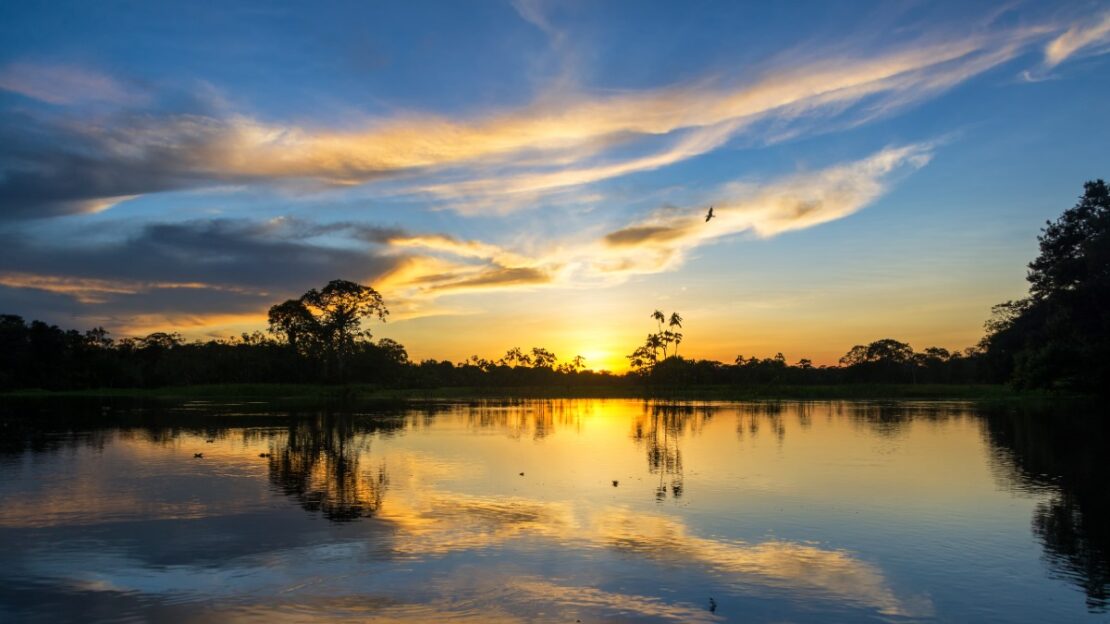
(889, 350)
(573, 366)
(1059, 336)
(340, 307)
(516, 357)
(656, 347)
(394, 350)
(327, 323)
(882, 360)
(293, 322)
(542, 358)
(674, 324)
(1075, 249)
(855, 355)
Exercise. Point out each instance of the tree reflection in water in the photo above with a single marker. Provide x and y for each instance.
(1063, 454)
(658, 428)
(319, 464)
(521, 418)
(751, 417)
(321, 460)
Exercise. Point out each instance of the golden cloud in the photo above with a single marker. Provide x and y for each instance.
(1093, 34)
(545, 147)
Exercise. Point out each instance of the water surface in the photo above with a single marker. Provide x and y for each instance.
(553, 511)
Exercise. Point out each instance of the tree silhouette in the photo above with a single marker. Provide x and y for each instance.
(293, 322)
(1059, 336)
(328, 322)
(542, 358)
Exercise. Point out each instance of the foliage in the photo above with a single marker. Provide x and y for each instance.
(1059, 336)
(656, 347)
(326, 324)
(38, 355)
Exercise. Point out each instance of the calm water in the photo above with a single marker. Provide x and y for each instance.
(554, 511)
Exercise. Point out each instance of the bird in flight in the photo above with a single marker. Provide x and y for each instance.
(709, 215)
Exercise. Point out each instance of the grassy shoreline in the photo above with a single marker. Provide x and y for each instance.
(356, 392)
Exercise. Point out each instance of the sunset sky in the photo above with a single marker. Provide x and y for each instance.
(535, 173)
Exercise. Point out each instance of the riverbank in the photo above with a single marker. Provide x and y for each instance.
(357, 392)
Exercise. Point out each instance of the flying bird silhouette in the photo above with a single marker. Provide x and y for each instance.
(709, 215)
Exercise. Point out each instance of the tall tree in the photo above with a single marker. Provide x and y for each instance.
(328, 322)
(656, 347)
(293, 322)
(1059, 336)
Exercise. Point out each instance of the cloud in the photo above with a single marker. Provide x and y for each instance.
(202, 273)
(498, 277)
(795, 202)
(50, 169)
(194, 274)
(64, 85)
(658, 242)
(1092, 36)
(92, 290)
(85, 164)
(640, 234)
(697, 142)
(532, 12)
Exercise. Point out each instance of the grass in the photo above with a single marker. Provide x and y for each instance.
(281, 392)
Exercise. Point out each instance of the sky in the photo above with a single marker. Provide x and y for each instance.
(537, 173)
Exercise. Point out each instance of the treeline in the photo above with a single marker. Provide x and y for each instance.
(39, 355)
(1058, 338)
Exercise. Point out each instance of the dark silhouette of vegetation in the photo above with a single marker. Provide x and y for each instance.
(1061, 454)
(319, 465)
(1059, 336)
(657, 346)
(38, 355)
(326, 325)
(882, 361)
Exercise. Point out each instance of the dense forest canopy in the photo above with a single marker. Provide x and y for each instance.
(1057, 337)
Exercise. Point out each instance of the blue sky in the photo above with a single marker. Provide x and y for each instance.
(535, 173)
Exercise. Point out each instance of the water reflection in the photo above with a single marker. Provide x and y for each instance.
(1062, 453)
(319, 463)
(416, 489)
(658, 428)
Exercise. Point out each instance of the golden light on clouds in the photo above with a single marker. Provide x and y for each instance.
(1094, 35)
(549, 185)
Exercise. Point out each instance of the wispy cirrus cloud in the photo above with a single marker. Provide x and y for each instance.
(226, 270)
(1086, 37)
(1092, 36)
(661, 241)
(81, 166)
(66, 84)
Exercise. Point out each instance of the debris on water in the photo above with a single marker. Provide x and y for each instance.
(210, 440)
(522, 474)
(198, 455)
(712, 605)
(264, 455)
(616, 483)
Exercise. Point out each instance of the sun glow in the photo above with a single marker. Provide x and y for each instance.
(599, 359)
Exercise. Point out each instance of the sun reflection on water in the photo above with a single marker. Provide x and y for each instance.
(508, 511)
